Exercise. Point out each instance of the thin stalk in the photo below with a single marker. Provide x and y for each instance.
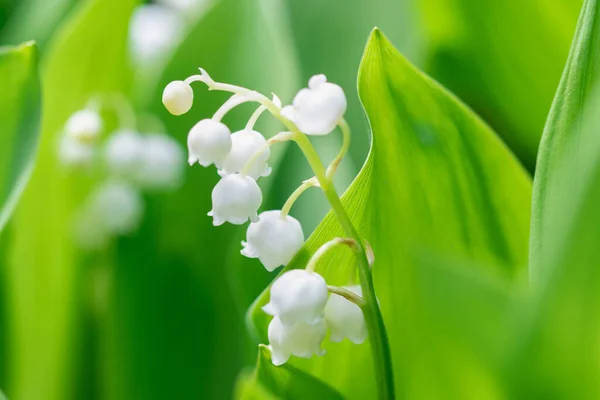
(345, 146)
(285, 210)
(347, 294)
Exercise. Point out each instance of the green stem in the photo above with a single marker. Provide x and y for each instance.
(380, 347)
(285, 210)
(347, 294)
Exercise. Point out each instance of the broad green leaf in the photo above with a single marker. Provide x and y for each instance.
(19, 122)
(504, 58)
(559, 168)
(174, 280)
(559, 341)
(437, 179)
(284, 382)
(2, 396)
(42, 266)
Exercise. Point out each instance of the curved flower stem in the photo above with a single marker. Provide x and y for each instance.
(285, 210)
(280, 137)
(326, 248)
(347, 294)
(345, 145)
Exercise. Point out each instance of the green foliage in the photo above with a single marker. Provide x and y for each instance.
(426, 187)
(42, 266)
(19, 129)
(504, 58)
(285, 382)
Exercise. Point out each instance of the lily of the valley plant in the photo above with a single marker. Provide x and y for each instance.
(303, 306)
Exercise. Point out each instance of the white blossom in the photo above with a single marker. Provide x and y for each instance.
(235, 199)
(161, 162)
(316, 110)
(300, 339)
(244, 145)
(178, 97)
(84, 125)
(73, 152)
(118, 206)
(298, 296)
(123, 153)
(345, 319)
(209, 142)
(274, 239)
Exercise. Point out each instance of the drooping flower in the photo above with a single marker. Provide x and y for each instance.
(298, 296)
(73, 152)
(209, 142)
(274, 239)
(118, 205)
(300, 339)
(316, 110)
(345, 319)
(84, 125)
(123, 153)
(235, 199)
(178, 97)
(161, 162)
(244, 145)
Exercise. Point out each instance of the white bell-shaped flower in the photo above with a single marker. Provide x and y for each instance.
(123, 153)
(73, 152)
(300, 339)
(178, 97)
(209, 142)
(161, 162)
(345, 319)
(316, 110)
(235, 199)
(84, 125)
(119, 207)
(274, 239)
(244, 145)
(298, 296)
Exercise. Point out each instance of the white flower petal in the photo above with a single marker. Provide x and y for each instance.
(236, 198)
(299, 339)
(345, 319)
(178, 97)
(84, 125)
(209, 142)
(244, 145)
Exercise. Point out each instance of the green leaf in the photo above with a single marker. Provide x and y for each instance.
(560, 349)
(43, 275)
(504, 58)
(559, 171)
(19, 129)
(437, 180)
(284, 382)
(3, 396)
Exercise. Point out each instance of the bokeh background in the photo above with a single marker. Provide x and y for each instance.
(159, 314)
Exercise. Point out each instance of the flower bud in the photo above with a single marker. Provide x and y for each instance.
(119, 207)
(345, 319)
(274, 239)
(244, 145)
(298, 296)
(316, 110)
(235, 199)
(73, 152)
(300, 339)
(178, 97)
(84, 125)
(209, 142)
(123, 153)
(161, 162)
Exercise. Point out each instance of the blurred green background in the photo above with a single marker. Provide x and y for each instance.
(160, 314)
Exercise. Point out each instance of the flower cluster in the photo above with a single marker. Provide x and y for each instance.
(301, 304)
(126, 162)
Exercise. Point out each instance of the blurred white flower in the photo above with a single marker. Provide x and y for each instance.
(73, 152)
(209, 142)
(244, 145)
(84, 125)
(161, 162)
(274, 239)
(123, 153)
(316, 110)
(186, 6)
(178, 97)
(235, 199)
(300, 339)
(118, 207)
(345, 319)
(154, 31)
(298, 296)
